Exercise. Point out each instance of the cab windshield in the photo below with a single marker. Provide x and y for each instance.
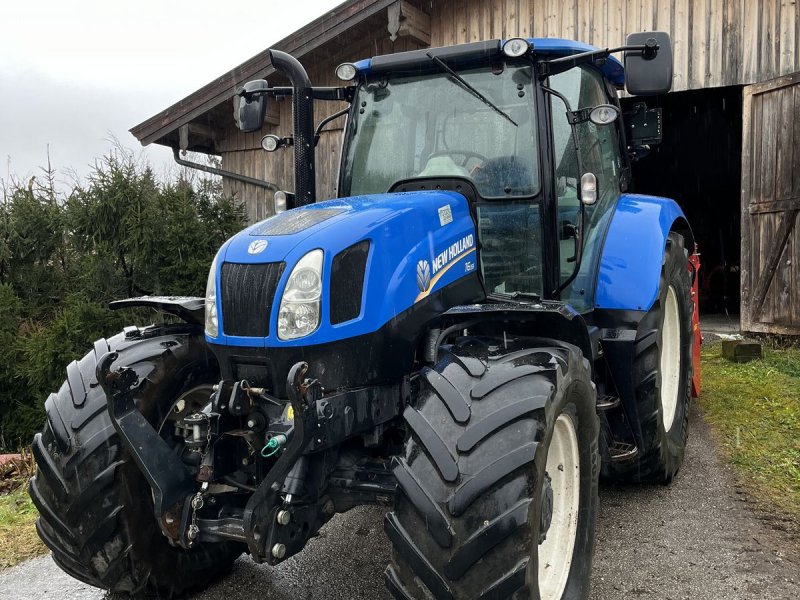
(430, 125)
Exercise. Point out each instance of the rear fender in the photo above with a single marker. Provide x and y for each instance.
(630, 263)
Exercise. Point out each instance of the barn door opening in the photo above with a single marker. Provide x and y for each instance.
(770, 206)
(698, 163)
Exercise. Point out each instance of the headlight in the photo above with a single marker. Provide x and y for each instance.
(212, 319)
(300, 305)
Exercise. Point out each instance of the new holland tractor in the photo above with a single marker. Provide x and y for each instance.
(482, 323)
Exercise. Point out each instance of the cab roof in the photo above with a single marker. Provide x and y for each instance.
(476, 51)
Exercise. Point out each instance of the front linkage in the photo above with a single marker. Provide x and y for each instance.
(172, 485)
(261, 512)
(301, 490)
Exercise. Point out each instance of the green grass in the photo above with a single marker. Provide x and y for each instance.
(18, 539)
(754, 409)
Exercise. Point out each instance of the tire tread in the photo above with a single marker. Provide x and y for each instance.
(86, 516)
(455, 536)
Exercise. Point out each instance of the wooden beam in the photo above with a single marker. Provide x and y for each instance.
(204, 130)
(774, 84)
(745, 222)
(774, 257)
(773, 328)
(407, 20)
(775, 206)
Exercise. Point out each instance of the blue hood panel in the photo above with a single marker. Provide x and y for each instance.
(419, 243)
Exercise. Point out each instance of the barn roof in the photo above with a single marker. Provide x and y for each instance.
(212, 102)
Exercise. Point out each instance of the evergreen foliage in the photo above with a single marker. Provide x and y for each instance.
(64, 256)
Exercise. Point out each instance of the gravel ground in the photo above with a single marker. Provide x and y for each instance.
(695, 539)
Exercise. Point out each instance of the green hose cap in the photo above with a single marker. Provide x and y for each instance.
(273, 446)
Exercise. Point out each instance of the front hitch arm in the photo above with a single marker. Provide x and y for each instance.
(261, 510)
(172, 484)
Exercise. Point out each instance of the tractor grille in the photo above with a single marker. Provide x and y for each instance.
(247, 293)
(347, 282)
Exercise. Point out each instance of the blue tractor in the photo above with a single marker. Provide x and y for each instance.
(479, 326)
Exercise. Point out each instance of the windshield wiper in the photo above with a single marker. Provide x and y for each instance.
(469, 88)
(517, 295)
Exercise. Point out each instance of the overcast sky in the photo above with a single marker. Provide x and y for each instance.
(73, 74)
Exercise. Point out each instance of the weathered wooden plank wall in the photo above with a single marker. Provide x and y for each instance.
(771, 207)
(715, 43)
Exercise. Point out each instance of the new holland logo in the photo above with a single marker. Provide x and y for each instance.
(257, 247)
(423, 275)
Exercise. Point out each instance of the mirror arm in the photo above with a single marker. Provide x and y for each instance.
(327, 120)
(333, 94)
(565, 63)
(250, 95)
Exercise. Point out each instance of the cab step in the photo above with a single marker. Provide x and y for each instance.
(607, 402)
(622, 451)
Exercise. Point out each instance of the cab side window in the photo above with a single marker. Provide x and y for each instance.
(600, 154)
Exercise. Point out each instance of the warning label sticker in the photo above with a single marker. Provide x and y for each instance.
(445, 215)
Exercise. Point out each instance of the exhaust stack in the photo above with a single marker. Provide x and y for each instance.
(303, 122)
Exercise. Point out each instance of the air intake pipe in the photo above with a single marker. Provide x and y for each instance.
(303, 121)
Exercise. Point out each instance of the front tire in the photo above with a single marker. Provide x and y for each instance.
(95, 507)
(498, 482)
(662, 374)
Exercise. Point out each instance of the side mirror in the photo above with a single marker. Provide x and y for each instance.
(648, 71)
(252, 105)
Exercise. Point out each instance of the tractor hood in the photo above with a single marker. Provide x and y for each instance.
(383, 255)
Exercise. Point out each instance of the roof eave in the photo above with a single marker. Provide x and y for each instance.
(300, 43)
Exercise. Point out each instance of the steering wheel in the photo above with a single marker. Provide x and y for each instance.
(467, 154)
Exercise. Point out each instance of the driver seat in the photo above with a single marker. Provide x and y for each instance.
(498, 174)
(443, 166)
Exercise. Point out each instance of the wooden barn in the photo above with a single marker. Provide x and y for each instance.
(731, 122)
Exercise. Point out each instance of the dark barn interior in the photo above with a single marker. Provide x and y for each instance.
(698, 164)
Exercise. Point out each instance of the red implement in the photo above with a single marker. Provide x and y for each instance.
(694, 269)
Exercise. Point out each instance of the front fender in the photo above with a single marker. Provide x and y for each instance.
(189, 308)
(630, 263)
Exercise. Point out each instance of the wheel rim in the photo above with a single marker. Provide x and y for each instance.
(555, 553)
(670, 359)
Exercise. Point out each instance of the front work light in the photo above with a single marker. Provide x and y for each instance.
(346, 71)
(270, 142)
(299, 314)
(516, 47)
(604, 114)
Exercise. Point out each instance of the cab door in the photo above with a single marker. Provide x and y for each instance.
(584, 87)
(771, 207)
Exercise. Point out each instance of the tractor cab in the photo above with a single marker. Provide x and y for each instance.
(530, 128)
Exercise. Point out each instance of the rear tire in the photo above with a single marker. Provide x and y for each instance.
(662, 374)
(95, 507)
(474, 478)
